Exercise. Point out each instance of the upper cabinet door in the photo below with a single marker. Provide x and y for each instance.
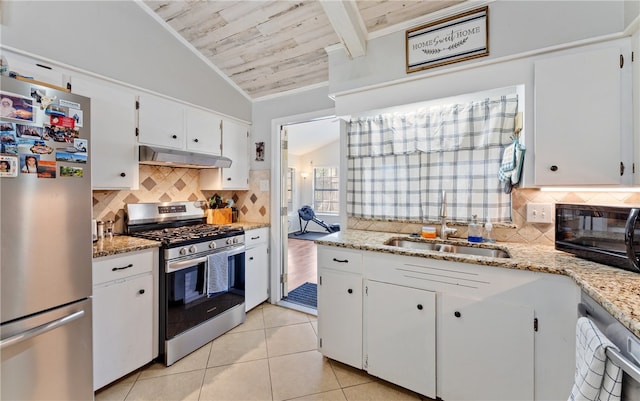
(235, 145)
(581, 118)
(161, 122)
(204, 131)
(114, 153)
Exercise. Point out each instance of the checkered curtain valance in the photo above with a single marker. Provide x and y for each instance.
(399, 164)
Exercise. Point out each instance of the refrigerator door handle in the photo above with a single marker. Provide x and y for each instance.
(38, 330)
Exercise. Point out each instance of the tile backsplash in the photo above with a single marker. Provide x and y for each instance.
(520, 230)
(164, 184)
(167, 184)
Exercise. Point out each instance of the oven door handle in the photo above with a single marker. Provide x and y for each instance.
(175, 266)
(628, 238)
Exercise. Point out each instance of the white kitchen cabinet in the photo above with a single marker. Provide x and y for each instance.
(114, 151)
(124, 314)
(174, 125)
(256, 267)
(161, 122)
(235, 146)
(340, 305)
(401, 336)
(39, 70)
(486, 347)
(204, 131)
(500, 333)
(583, 133)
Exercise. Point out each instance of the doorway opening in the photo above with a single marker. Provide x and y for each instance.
(309, 164)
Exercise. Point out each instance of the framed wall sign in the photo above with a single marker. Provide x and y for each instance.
(450, 40)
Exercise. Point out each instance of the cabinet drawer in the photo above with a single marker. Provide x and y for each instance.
(255, 237)
(340, 259)
(121, 266)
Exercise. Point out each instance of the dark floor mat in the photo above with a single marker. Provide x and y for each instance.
(309, 235)
(306, 294)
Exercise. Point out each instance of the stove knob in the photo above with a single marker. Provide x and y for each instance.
(212, 245)
(236, 240)
(193, 249)
(229, 241)
(183, 251)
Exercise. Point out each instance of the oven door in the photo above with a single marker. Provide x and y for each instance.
(188, 296)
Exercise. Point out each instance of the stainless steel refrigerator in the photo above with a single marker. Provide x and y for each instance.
(46, 244)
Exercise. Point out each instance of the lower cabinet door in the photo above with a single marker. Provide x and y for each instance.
(486, 350)
(340, 316)
(122, 327)
(256, 276)
(401, 336)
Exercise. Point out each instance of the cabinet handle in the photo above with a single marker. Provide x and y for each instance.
(229, 179)
(350, 291)
(457, 314)
(174, 136)
(141, 292)
(195, 140)
(341, 260)
(122, 268)
(251, 258)
(419, 306)
(553, 168)
(123, 175)
(255, 237)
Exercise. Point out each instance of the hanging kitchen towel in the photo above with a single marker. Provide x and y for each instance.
(597, 378)
(218, 274)
(511, 166)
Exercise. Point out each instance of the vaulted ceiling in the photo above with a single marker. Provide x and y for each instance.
(267, 47)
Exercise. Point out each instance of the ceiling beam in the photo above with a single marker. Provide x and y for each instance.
(348, 24)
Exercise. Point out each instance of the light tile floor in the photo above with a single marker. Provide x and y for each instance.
(272, 356)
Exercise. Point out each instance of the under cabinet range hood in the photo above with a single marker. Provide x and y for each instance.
(179, 158)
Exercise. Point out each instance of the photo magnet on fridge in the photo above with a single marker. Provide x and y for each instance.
(8, 166)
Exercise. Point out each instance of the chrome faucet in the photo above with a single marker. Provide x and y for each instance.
(444, 230)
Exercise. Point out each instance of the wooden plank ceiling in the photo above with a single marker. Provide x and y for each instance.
(270, 46)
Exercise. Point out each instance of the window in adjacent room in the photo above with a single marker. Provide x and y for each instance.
(325, 190)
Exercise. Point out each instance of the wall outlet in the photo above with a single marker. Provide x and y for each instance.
(539, 213)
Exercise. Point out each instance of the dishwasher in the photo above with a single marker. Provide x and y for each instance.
(629, 356)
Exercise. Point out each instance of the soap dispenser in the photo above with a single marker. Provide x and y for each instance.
(488, 232)
(475, 230)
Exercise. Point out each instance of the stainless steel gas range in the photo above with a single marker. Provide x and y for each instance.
(201, 274)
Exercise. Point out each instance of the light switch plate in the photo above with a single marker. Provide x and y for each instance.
(264, 185)
(539, 213)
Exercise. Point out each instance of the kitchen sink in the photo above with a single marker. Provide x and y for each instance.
(447, 248)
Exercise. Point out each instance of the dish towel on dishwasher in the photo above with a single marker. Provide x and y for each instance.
(218, 273)
(597, 378)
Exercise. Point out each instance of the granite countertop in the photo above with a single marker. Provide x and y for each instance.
(121, 244)
(124, 243)
(617, 290)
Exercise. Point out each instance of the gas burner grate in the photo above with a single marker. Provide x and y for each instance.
(183, 234)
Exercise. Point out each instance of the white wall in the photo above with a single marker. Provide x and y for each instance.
(514, 27)
(119, 40)
(299, 103)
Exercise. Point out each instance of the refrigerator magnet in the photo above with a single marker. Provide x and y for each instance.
(69, 104)
(8, 166)
(62, 121)
(68, 171)
(29, 163)
(29, 131)
(81, 145)
(41, 148)
(70, 156)
(76, 114)
(16, 107)
(47, 169)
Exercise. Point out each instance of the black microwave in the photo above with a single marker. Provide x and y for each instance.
(605, 234)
